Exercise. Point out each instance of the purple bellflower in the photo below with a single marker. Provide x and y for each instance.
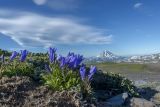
(62, 62)
(82, 72)
(73, 60)
(92, 71)
(79, 59)
(69, 56)
(52, 52)
(23, 55)
(13, 56)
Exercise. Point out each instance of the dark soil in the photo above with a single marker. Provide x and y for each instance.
(24, 92)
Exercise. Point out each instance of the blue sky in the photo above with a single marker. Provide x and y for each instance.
(124, 27)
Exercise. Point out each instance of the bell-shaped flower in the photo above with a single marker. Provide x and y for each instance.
(79, 59)
(13, 56)
(72, 62)
(62, 62)
(92, 71)
(23, 55)
(82, 72)
(52, 52)
(68, 58)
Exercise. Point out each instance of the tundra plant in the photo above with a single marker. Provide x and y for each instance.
(16, 67)
(65, 73)
(61, 73)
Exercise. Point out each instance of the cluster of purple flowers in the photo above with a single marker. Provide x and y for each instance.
(83, 74)
(14, 54)
(72, 61)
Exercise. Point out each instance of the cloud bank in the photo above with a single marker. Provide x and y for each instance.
(34, 30)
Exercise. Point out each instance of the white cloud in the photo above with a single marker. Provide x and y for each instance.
(138, 5)
(30, 29)
(40, 2)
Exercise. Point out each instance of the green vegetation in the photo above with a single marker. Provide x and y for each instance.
(68, 73)
(112, 84)
(121, 67)
(5, 52)
(17, 69)
(61, 80)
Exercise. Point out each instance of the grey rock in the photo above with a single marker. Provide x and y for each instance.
(158, 88)
(140, 102)
(118, 100)
(140, 83)
(156, 99)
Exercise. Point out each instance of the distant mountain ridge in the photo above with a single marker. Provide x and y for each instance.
(107, 56)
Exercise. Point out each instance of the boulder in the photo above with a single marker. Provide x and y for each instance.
(140, 102)
(156, 99)
(118, 100)
(158, 88)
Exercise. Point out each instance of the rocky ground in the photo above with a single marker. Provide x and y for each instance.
(24, 92)
(149, 97)
(148, 85)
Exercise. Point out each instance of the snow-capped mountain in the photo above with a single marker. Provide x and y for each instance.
(107, 56)
(153, 58)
